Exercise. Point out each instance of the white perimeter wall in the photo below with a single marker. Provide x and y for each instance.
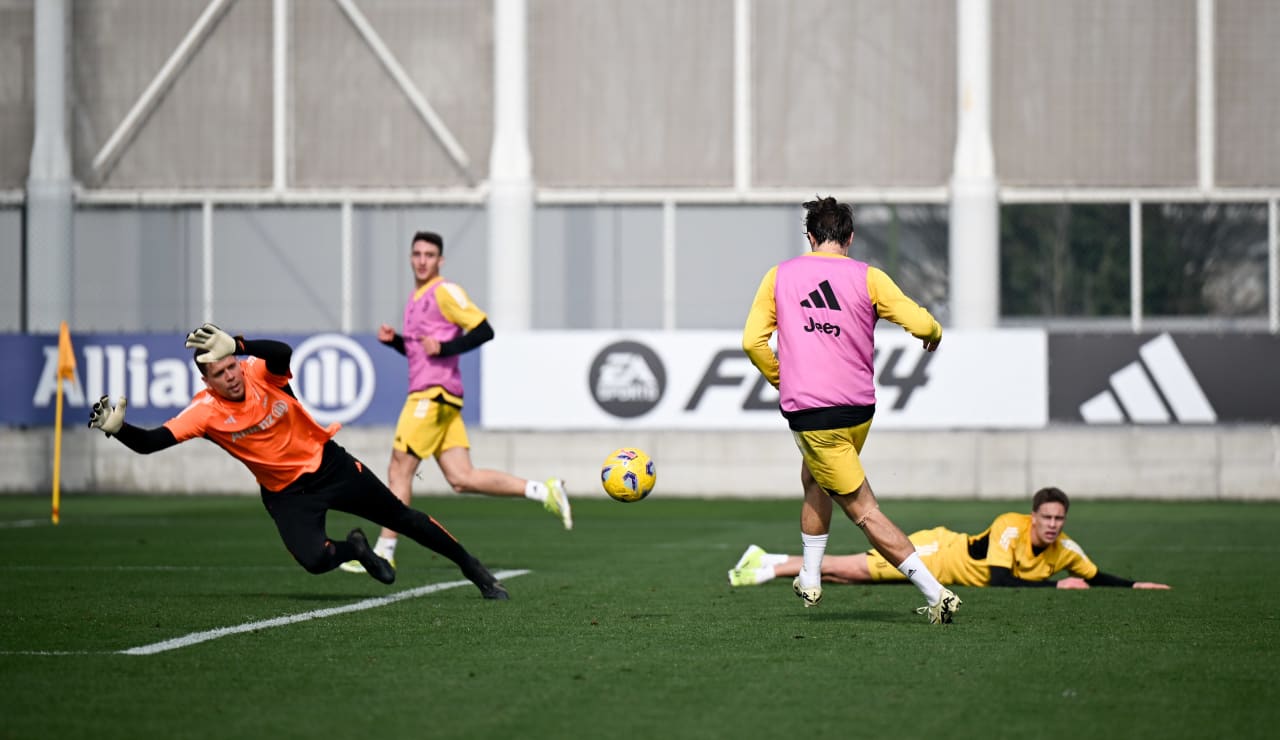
(1240, 463)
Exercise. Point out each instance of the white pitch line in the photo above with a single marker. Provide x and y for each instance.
(196, 638)
(16, 523)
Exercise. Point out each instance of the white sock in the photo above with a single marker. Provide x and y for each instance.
(535, 490)
(815, 546)
(765, 573)
(386, 547)
(914, 569)
(771, 559)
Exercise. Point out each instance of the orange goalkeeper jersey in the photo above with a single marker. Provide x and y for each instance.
(269, 431)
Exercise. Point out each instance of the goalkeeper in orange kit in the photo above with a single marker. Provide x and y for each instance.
(249, 409)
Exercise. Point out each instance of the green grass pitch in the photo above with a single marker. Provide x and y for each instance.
(624, 628)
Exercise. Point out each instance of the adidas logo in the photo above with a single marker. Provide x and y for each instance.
(230, 420)
(815, 299)
(1157, 388)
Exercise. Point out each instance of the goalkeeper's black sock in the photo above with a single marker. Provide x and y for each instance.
(427, 532)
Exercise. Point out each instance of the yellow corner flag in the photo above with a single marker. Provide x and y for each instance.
(66, 371)
(66, 355)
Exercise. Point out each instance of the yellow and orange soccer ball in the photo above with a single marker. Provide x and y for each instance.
(628, 474)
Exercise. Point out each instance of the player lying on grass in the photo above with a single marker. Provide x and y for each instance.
(248, 409)
(1016, 550)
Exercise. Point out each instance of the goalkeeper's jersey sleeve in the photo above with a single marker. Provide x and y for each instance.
(1010, 547)
(269, 431)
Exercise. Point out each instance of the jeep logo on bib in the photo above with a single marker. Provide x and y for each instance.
(627, 379)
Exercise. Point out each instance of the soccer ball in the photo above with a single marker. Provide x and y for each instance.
(628, 474)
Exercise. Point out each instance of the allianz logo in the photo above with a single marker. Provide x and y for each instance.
(333, 376)
(119, 370)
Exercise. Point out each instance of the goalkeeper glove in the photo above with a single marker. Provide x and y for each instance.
(215, 342)
(106, 417)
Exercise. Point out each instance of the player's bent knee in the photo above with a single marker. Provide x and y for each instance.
(461, 483)
(316, 560)
(316, 566)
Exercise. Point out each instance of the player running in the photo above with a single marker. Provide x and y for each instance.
(440, 324)
(824, 305)
(248, 409)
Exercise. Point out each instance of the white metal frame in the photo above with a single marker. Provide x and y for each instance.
(419, 101)
(205, 25)
(1273, 263)
(159, 85)
(280, 88)
(742, 192)
(1135, 264)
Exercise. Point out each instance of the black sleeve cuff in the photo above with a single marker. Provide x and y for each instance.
(469, 341)
(1004, 578)
(397, 343)
(1106, 579)
(145, 441)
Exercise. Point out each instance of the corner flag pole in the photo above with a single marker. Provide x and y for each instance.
(66, 371)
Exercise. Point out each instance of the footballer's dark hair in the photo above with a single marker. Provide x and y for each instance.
(430, 237)
(828, 220)
(1045, 495)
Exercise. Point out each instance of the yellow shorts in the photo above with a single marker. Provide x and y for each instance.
(428, 427)
(944, 552)
(832, 456)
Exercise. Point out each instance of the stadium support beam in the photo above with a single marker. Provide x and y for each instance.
(348, 260)
(742, 128)
(1273, 263)
(1135, 265)
(206, 262)
(279, 95)
(974, 227)
(47, 247)
(1206, 92)
(510, 172)
(668, 265)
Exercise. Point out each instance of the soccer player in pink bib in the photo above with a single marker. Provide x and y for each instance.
(440, 323)
(823, 306)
